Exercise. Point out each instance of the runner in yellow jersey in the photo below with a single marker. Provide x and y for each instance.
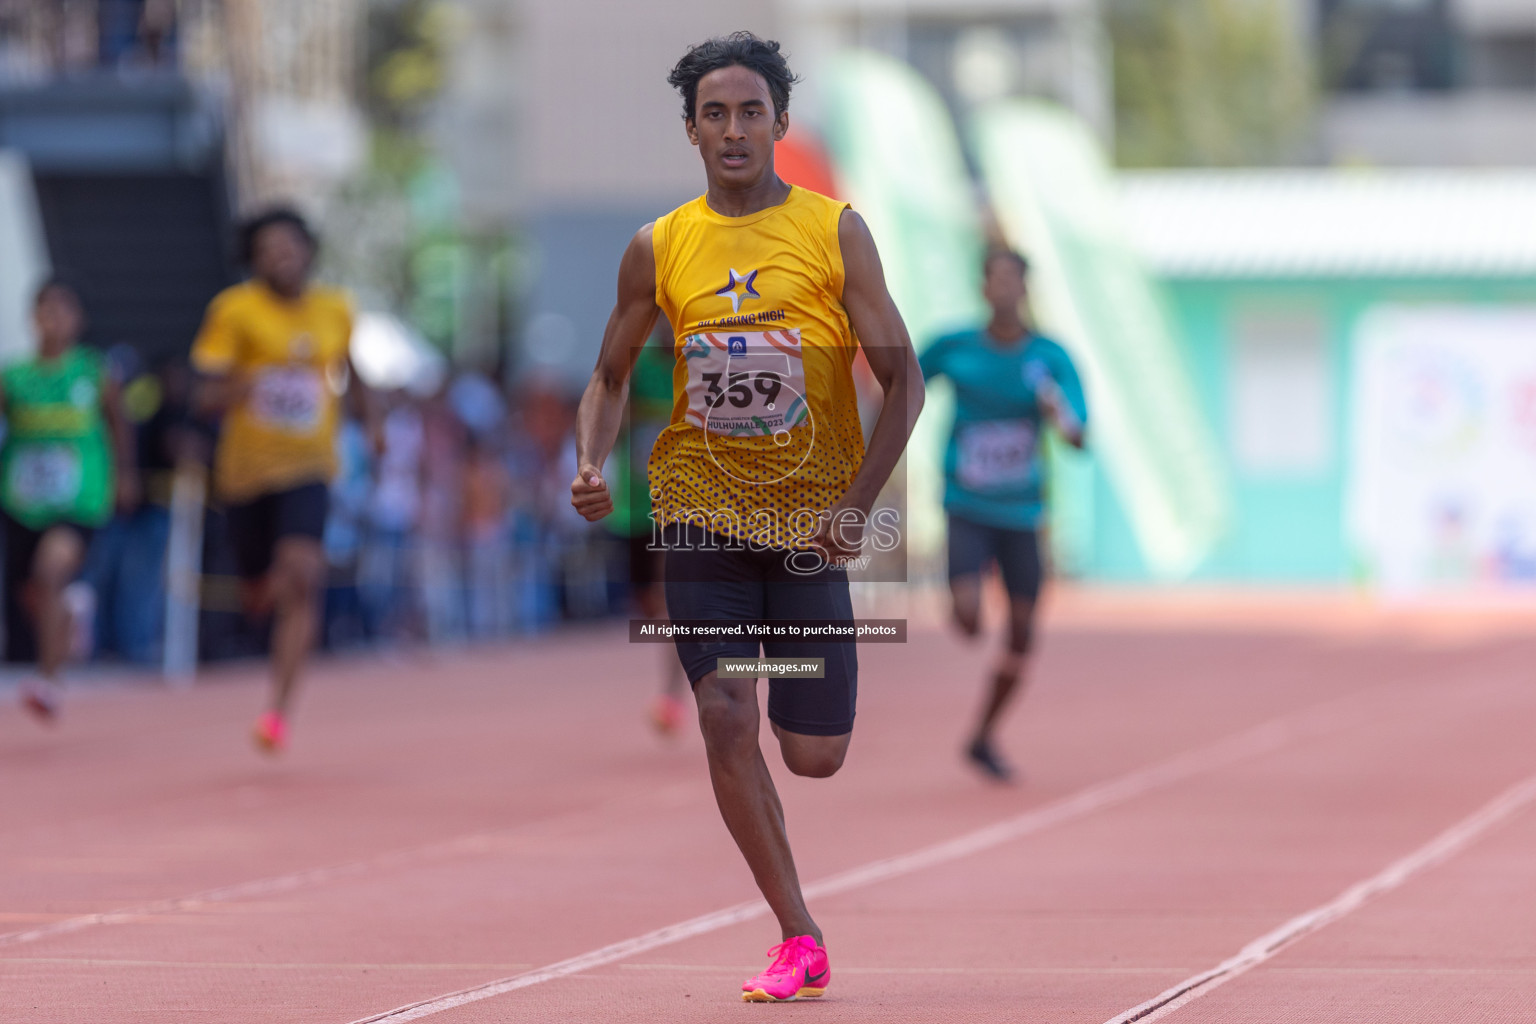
(761, 484)
(274, 355)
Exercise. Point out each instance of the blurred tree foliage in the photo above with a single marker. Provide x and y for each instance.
(1208, 83)
(377, 228)
(406, 62)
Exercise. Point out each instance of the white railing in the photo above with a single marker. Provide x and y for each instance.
(23, 255)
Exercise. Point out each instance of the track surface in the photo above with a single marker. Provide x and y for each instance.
(1192, 784)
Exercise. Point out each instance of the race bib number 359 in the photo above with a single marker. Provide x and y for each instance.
(746, 384)
(996, 454)
(289, 399)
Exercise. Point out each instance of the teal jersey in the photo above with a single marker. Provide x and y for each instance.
(994, 467)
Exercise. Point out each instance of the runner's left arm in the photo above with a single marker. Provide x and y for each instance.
(883, 335)
(126, 476)
(1061, 394)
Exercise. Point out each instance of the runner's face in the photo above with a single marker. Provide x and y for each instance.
(281, 256)
(734, 126)
(59, 321)
(1003, 287)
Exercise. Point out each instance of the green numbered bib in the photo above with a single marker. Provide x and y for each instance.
(55, 464)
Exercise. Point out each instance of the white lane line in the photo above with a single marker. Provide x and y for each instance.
(1252, 743)
(247, 965)
(260, 888)
(256, 889)
(1437, 850)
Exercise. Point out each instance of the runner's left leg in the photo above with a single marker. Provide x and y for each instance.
(815, 757)
(298, 571)
(965, 603)
(59, 556)
(1008, 672)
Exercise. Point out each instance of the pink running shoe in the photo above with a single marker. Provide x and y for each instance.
(800, 970)
(41, 697)
(667, 714)
(271, 733)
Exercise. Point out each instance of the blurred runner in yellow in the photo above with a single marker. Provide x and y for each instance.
(273, 352)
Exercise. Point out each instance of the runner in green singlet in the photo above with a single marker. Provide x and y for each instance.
(64, 433)
(650, 408)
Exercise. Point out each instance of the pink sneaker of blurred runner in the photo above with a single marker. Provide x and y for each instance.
(271, 733)
(667, 714)
(40, 697)
(800, 969)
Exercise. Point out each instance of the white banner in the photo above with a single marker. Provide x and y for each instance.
(1442, 483)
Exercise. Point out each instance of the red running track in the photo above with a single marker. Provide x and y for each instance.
(445, 825)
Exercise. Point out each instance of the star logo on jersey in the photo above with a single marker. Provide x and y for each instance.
(741, 281)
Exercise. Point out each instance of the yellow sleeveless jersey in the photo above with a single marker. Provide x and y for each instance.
(284, 434)
(765, 433)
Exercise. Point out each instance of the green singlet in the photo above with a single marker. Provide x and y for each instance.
(55, 464)
(650, 399)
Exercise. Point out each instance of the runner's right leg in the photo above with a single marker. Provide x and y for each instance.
(965, 603)
(298, 571)
(748, 800)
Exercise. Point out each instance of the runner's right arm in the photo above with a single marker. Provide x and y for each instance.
(219, 386)
(602, 405)
(217, 393)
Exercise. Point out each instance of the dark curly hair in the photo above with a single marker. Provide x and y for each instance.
(61, 284)
(1013, 256)
(249, 229)
(738, 48)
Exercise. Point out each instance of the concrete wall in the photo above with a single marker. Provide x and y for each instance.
(603, 150)
(1461, 129)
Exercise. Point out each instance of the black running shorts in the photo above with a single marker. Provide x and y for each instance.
(1017, 553)
(256, 526)
(21, 544)
(708, 579)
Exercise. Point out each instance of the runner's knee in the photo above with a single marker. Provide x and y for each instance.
(727, 719)
(298, 571)
(815, 757)
(1021, 627)
(58, 559)
(965, 604)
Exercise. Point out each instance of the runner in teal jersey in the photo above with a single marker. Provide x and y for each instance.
(1010, 385)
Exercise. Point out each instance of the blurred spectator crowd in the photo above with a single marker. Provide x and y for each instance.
(451, 523)
(455, 524)
(46, 37)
